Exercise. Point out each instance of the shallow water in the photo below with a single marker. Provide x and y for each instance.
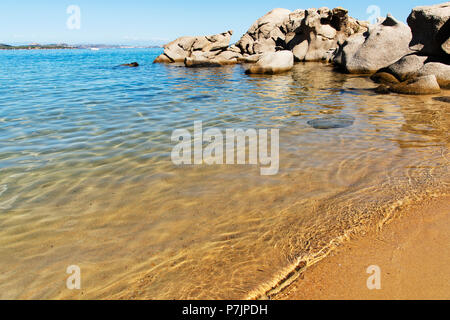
(86, 176)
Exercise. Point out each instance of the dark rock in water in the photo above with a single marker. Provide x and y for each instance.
(332, 122)
(383, 89)
(132, 65)
(442, 99)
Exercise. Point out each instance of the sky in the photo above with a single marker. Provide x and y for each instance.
(145, 22)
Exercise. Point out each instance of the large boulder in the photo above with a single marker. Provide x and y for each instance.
(185, 47)
(406, 67)
(265, 34)
(381, 46)
(418, 86)
(273, 63)
(440, 70)
(430, 27)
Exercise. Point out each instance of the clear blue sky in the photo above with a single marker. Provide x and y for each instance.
(145, 21)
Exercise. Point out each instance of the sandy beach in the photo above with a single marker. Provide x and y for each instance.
(412, 253)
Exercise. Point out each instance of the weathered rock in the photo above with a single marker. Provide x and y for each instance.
(265, 34)
(440, 70)
(273, 63)
(250, 58)
(384, 78)
(184, 47)
(384, 44)
(313, 35)
(407, 66)
(418, 86)
(332, 122)
(200, 59)
(177, 50)
(228, 57)
(213, 43)
(430, 26)
(348, 49)
(163, 59)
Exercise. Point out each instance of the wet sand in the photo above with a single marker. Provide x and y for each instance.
(413, 253)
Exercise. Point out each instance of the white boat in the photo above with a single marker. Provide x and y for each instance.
(95, 49)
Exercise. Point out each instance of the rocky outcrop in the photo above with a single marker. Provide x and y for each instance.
(198, 49)
(430, 26)
(407, 58)
(430, 40)
(312, 35)
(273, 63)
(417, 86)
(381, 46)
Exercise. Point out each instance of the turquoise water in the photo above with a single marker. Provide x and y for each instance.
(86, 176)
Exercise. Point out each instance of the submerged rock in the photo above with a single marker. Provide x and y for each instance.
(383, 89)
(418, 86)
(431, 29)
(442, 99)
(332, 122)
(381, 46)
(273, 63)
(384, 78)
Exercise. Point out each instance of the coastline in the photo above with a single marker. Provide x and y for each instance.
(411, 251)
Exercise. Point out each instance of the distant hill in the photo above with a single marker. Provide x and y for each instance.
(65, 46)
(34, 47)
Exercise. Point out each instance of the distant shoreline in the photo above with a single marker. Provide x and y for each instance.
(67, 47)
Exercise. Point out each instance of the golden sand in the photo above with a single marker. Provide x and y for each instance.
(413, 253)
